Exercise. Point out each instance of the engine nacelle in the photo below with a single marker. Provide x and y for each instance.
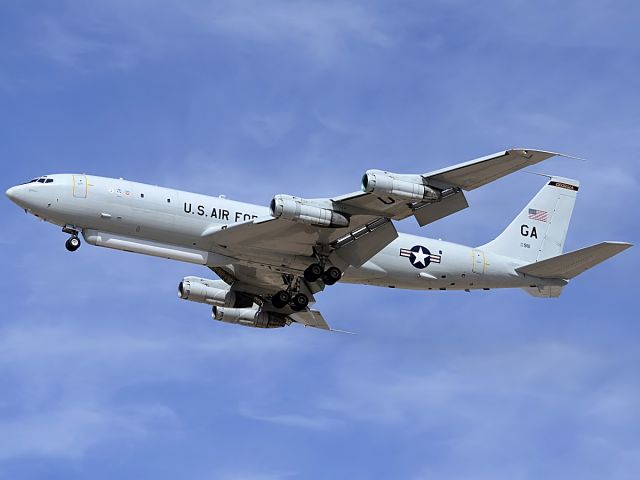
(202, 290)
(249, 317)
(307, 211)
(405, 187)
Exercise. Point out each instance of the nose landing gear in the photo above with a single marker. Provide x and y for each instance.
(72, 244)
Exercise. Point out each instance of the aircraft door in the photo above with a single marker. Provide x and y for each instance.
(478, 262)
(80, 186)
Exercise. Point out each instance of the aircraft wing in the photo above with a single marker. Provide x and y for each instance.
(358, 225)
(449, 182)
(479, 172)
(346, 230)
(282, 238)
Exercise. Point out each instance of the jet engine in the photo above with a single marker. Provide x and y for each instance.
(249, 317)
(202, 290)
(405, 187)
(310, 212)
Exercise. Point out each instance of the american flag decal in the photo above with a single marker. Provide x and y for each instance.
(539, 215)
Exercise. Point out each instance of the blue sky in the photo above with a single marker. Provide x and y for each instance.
(104, 373)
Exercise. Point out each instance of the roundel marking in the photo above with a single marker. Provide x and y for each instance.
(420, 256)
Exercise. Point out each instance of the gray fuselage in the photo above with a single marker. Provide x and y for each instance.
(169, 223)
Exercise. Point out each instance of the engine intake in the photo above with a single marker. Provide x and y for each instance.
(307, 211)
(202, 290)
(248, 317)
(405, 187)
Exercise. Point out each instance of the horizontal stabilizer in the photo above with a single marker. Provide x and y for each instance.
(310, 318)
(569, 265)
(313, 318)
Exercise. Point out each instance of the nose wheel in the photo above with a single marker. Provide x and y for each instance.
(72, 244)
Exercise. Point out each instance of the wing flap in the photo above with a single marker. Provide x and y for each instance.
(445, 207)
(361, 245)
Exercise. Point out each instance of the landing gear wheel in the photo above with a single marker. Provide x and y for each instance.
(72, 244)
(280, 299)
(313, 272)
(300, 302)
(331, 276)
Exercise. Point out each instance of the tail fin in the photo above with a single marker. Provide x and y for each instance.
(539, 230)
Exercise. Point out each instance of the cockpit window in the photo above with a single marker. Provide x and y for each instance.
(40, 180)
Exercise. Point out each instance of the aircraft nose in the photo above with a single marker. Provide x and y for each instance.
(12, 193)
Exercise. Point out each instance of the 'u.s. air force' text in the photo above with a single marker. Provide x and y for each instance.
(218, 213)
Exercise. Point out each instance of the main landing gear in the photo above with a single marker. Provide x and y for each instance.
(292, 296)
(315, 272)
(283, 298)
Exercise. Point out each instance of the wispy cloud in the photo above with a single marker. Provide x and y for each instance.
(120, 34)
(309, 421)
(68, 432)
(320, 29)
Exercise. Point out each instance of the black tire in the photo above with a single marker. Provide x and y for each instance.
(281, 299)
(332, 275)
(300, 302)
(313, 272)
(72, 244)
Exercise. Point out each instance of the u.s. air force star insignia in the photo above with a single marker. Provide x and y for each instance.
(419, 256)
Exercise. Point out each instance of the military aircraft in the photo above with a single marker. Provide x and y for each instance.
(272, 261)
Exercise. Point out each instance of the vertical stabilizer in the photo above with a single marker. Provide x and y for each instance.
(539, 230)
